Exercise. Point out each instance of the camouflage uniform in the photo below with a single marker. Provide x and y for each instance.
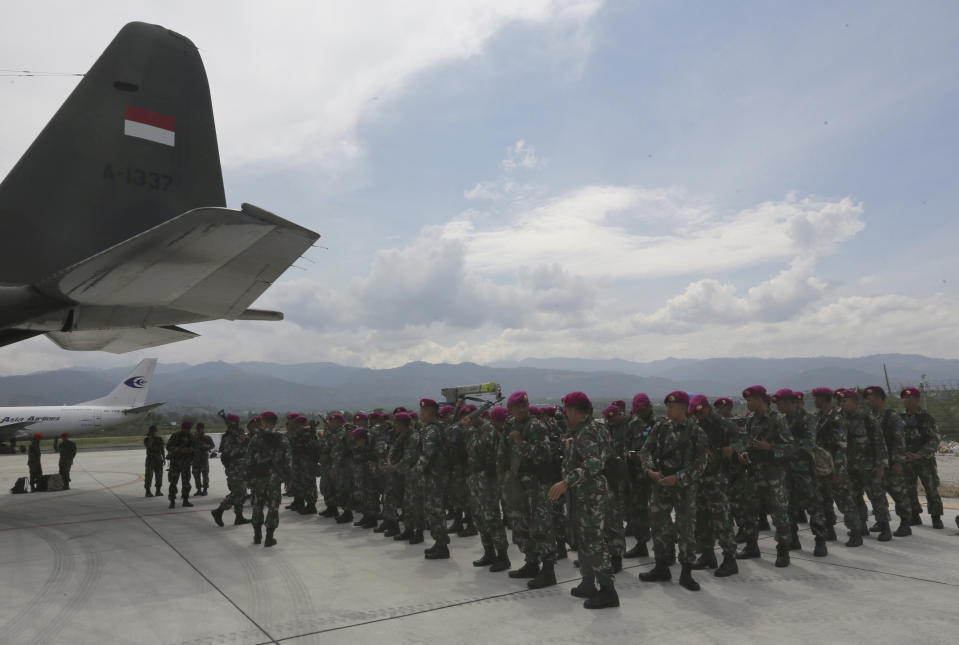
(202, 445)
(269, 464)
(893, 429)
(325, 467)
(68, 451)
(33, 463)
(583, 469)
(675, 449)
(457, 490)
(561, 528)
(922, 437)
(383, 437)
(765, 486)
(154, 461)
(803, 482)
(531, 462)
(364, 487)
(829, 436)
(180, 456)
(233, 456)
(394, 487)
(866, 450)
(305, 451)
(736, 486)
(341, 452)
(413, 500)
(713, 516)
(638, 487)
(614, 531)
(481, 458)
(432, 472)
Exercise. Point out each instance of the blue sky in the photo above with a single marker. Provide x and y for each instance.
(622, 179)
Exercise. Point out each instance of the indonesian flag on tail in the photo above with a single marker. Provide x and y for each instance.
(148, 125)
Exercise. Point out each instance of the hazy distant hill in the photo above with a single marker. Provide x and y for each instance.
(325, 386)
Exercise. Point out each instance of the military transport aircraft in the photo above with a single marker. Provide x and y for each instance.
(114, 223)
(125, 402)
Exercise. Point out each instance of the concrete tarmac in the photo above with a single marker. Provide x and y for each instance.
(102, 564)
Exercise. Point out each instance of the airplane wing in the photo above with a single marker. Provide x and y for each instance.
(143, 408)
(12, 430)
(120, 341)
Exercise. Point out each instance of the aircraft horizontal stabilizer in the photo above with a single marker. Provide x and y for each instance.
(120, 341)
(143, 408)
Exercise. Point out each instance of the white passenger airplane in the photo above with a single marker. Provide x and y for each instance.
(127, 400)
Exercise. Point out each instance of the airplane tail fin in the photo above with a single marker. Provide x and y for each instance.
(132, 147)
(132, 391)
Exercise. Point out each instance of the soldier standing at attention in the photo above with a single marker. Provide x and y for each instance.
(828, 438)
(768, 451)
(638, 488)
(393, 474)
(868, 460)
(922, 443)
(893, 429)
(713, 518)
(328, 456)
(68, 451)
(233, 456)
(342, 451)
(201, 459)
(270, 464)
(583, 467)
(616, 476)
(154, 461)
(531, 451)
(413, 501)
(180, 455)
(33, 462)
(674, 457)
(481, 459)
(431, 470)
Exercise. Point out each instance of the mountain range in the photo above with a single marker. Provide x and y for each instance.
(325, 386)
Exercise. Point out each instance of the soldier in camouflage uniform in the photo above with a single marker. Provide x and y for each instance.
(531, 461)
(33, 462)
(364, 464)
(413, 494)
(583, 466)
(233, 456)
(331, 430)
(180, 456)
(803, 482)
(68, 451)
(269, 464)
(557, 437)
(305, 450)
(203, 444)
(868, 458)
(341, 452)
(481, 454)
(769, 448)
(674, 458)
(383, 435)
(616, 477)
(922, 444)
(713, 518)
(393, 473)
(638, 486)
(828, 437)
(893, 429)
(432, 471)
(155, 457)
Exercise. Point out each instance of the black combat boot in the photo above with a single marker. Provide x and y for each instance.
(329, 511)
(368, 523)
(239, 520)
(257, 533)
(916, 519)
(707, 560)
(854, 539)
(728, 567)
(529, 570)
(782, 555)
(794, 543)
(561, 553)
(437, 552)
(686, 578)
(404, 535)
(616, 562)
(469, 528)
(546, 577)
(172, 503)
(885, 534)
(831, 533)
(307, 509)
(904, 528)
(217, 514)
(585, 589)
(820, 550)
(740, 536)
(186, 503)
(876, 528)
(344, 517)
(385, 524)
(764, 523)
(457, 524)
(270, 541)
(659, 573)
(417, 537)
(157, 492)
(294, 505)
(149, 494)
(489, 556)
(937, 522)
(501, 563)
(606, 597)
(392, 530)
(638, 551)
(361, 521)
(750, 550)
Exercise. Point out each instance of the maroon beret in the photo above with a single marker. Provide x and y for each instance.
(429, 403)
(784, 393)
(640, 401)
(468, 408)
(619, 403)
(754, 390)
(611, 410)
(517, 398)
(499, 414)
(415, 416)
(268, 415)
(698, 402)
(64, 434)
(677, 396)
(359, 416)
(534, 409)
(358, 433)
(446, 409)
(232, 418)
(822, 391)
(909, 391)
(873, 389)
(576, 398)
(336, 416)
(186, 425)
(399, 409)
(846, 394)
(402, 417)
(485, 414)
(723, 400)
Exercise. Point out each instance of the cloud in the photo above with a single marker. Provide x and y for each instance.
(521, 155)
